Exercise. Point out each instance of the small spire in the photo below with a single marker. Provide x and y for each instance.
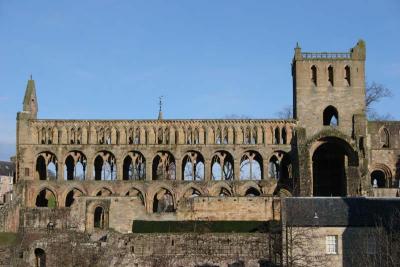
(160, 114)
(297, 45)
(31, 77)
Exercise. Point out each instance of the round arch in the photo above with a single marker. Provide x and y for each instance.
(331, 158)
(381, 176)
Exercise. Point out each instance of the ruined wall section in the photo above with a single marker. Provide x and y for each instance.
(383, 141)
(64, 249)
(149, 137)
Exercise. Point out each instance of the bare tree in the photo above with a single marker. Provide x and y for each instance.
(374, 93)
(285, 113)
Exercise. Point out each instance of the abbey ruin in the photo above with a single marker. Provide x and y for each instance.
(86, 188)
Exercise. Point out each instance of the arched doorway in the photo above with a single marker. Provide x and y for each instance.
(378, 179)
(329, 164)
(40, 257)
(98, 220)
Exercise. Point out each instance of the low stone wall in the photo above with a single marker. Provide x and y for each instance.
(9, 216)
(229, 209)
(112, 249)
(43, 218)
(386, 192)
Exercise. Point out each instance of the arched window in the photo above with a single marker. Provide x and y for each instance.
(75, 166)
(222, 166)
(46, 198)
(378, 179)
(218, 136)
(384, 136)
(330, 75)
(189, 136)
(160, 136)
(193, 166)
(136, 139)
(164, 167)
(252, 192)
(284, 136)
(105, 167)
(40, 257)
(163, 201)
(253, 139)
(251, 166)
(273, 168)
(98, 220)
(330, 116)
(134, 167)
(71, 197)
(314, 75)
(225, 139)
(196, 137)
(46, 166)
(277, 139)
(347, 75)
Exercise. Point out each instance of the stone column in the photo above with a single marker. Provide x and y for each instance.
(265, 167)
(149, 170)
(89, 170)
(120, 165)
(207, 169)
(178, 169)
(60, 171)
(236, 169)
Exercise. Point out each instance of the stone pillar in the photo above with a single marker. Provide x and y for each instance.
(236, 169)
(119, 165)
(60, 171)
(265, 167)
(207, 169)
(178, 170)
(149, 170)
(89, 170)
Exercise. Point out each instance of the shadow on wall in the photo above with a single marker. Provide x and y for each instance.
(372, 235)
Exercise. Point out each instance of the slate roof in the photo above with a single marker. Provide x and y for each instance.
(337, 211)
(7, 168)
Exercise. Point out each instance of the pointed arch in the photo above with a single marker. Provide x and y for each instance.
(193, 166)
(103, 192)
(71, 196)
(347, 75)
(105, 166)
(384, 137)
(75, 166)
(163, 201)
(134, 166)
(46, 198)
(222, 166)
(164, 166)
(46, 166)
(330, 116)
(314, 75)
(330, 75)
(251, 166)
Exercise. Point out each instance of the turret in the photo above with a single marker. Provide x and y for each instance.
(30, 104)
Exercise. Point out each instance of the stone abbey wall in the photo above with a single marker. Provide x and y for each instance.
(82, 183)
(112, 249)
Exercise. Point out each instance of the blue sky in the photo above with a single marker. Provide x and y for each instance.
(209, 59)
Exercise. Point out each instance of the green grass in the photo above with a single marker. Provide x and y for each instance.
(7, 239)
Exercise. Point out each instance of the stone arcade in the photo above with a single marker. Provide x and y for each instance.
(82, 183)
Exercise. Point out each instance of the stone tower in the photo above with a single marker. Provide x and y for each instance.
(24, 129)
(329, 106)
(329, 89)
